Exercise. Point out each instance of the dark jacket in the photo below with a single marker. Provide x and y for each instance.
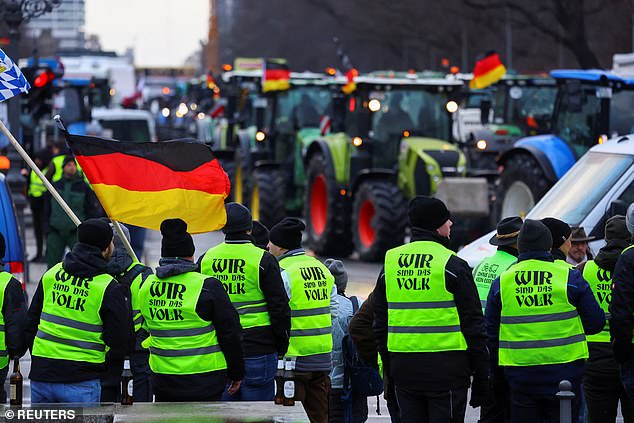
(83, 261)
(622, 307)
(602, 363)
(545, 379)
(264, 340)
(78, 195)
(14, 315)
(213, 306)
(360, 330)
(439, 371)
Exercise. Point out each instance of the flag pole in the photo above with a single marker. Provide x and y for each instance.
(39, 173)
(125, 241)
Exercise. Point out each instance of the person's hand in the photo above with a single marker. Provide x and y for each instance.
(480, 391)
(233, 388)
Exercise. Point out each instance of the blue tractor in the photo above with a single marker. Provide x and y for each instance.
(591, 106)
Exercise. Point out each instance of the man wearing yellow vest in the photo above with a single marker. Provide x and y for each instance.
(498, 409)
(195, 338)
(428, 322)
(537, 315)
(130, 275)
(311, 292)
(77, 313)
(251, 277)
(12, 318)
(36, 194)
(601, 382)
(58, 154)
(561, 234)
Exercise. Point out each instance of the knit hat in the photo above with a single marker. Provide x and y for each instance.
(559, 230)
(238, 219)
(95, 232)
(67, 159)
(428, 213)
(288, 233)
(118, 242)
(629, 218)
(338, 270)
(616, 229)
(176, 241)
(534, 236)
(3, 246)
(260, 234)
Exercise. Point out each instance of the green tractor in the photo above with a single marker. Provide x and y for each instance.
(391, 140)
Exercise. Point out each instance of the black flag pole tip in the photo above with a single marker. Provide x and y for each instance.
(60, 123)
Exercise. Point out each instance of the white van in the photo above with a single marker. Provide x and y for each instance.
(598, 186)
(126, 124)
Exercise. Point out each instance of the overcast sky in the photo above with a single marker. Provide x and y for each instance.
(162, 32)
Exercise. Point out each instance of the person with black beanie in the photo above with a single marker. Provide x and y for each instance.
(537, 315)
(76, 298)
(195, 338)
(602, 384)
(561, 234)
(311, 291)
(428, 322)
(260, 234)
(251, 277)
(13, 309)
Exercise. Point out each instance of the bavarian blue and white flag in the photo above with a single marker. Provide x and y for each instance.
(12, 82)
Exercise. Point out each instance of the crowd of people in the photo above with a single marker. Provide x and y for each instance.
(539, 311)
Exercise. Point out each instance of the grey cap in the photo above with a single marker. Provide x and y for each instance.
(338, 270)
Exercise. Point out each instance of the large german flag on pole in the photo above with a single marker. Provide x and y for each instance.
(276, 75)
(144, 183)
(488, 70)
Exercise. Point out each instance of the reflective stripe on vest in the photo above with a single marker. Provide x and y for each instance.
(488, 270)
(421, 313)
(70, 325)
(600, 281)
(538, 325)
(5, 278)
(311, 323)
(237, 266)
(180, 341)
(36, 186)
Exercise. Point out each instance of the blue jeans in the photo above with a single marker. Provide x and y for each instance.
(81, 392)
(259, 380)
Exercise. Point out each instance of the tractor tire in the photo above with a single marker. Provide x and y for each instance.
(379, 219)
(268, 196)
(326, 212)
(521, 184)
(229, 166)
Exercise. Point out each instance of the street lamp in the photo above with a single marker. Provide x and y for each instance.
(14, 13)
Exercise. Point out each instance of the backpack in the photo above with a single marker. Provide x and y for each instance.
(358, 377)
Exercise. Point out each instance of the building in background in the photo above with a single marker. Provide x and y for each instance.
(65, 22)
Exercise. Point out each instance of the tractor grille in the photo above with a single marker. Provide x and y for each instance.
(447, 160)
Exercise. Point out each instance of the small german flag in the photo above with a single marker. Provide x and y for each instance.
(144, 183)
(276, 76)
(488, 70)
(351, 85)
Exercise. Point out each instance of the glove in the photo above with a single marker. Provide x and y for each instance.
(622, 351)
(480, 391)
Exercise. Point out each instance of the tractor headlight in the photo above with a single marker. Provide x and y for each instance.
(374, 105)
(481, 145)
(357, 141)
(452, 106)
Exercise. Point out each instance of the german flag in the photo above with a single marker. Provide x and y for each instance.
(276, 76)
(144, 183)
(488, 70)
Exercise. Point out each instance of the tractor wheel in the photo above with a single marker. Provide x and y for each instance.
(522, 183)
(326, 212)
(379, 219)
(229, 167)
(268, 196)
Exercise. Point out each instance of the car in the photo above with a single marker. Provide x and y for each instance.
(13, 259)
(598, 186)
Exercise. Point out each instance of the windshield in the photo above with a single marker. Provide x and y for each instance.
(621, 106)
(302, 107)
(421, 113)
(581, 189)
(577, 120)
(128, 130)
(531, 106)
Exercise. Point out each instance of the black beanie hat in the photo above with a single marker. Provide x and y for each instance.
(428, 213)
(616, 229)
(260, 234)
(238, 219)
(559, 230)
(176, 241)
(95, 232)
(288, 233)
(3, 246)
(67, 159)
(534, 236)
